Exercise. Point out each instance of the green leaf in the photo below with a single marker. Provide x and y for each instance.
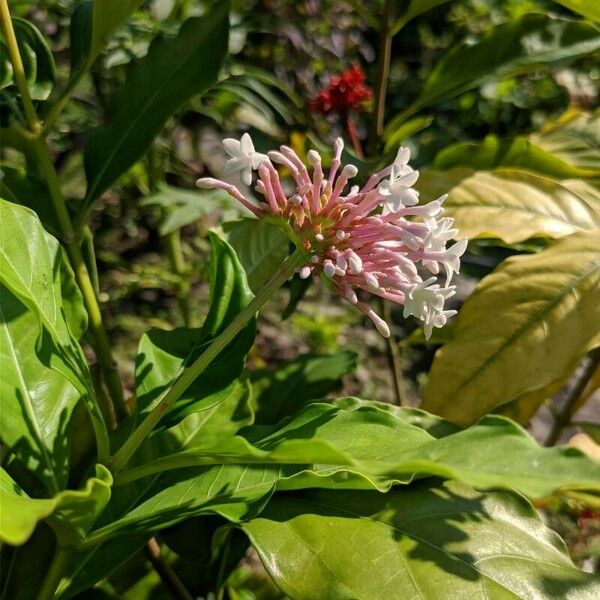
(279, 392)
(384, 447)
(587, 8)
(525, 327)
(395, 136)
(512, 205)
(183, 207)
(20, 187)
(163, 354)
(414, 9)
(517, 152)
(38, 62)
(260, 246)
(574, 138)
(44, 371)
(424, 541)
(513, 48)
(93, 24)
(72, 512)
(174, 70)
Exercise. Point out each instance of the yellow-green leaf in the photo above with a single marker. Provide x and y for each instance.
(512, 205)
(525, 327)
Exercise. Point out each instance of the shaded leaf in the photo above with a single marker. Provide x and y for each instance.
(93, 24)
(163, 354)
(260, 246)
(425, 541)
(173, 71)
(279, 392)
(72, 512)
(518, 152)
(511, 205)
(38, 62)
(526, 326)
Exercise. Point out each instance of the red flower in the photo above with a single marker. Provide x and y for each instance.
(344, 92)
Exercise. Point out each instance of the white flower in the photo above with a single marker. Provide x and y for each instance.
(425, 300)
(243, 157)
(451, 259)
(438, 320)
(398, 188)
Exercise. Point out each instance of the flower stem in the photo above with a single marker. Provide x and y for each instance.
(54, 575)
(188, 375)
(351, 128)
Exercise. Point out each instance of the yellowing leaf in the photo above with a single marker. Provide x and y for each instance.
(513, 205)
(525, 327)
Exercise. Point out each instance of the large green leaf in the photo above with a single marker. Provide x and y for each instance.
(354, 445)
(518, 152)
(373, 442)
(173, 71)
(423, 542)
(574, 139)
(519, 46)
(44, 372)
(525, 327)
(38, 62)
(93, 24)
(261, 248)
(279, 392)
(511, 205)
(587, 8)
(163, 354)
(72, 512)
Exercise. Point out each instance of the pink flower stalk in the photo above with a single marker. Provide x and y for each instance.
(351, 242)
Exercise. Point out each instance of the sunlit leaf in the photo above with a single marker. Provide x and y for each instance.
(525, 326)
(424, 541)
(587, 8)
(511, 205)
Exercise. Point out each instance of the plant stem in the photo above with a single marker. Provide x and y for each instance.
(188, 375)
(177, 260)
(592, 362)
(165, 571)
(82, 277)
(54, 575)
(383, 72)
(393, 355)
(18, 70)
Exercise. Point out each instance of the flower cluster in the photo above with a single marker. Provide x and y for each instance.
(369, 238)
(344, 92)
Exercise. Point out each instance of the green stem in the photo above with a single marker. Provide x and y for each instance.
(102, 344)
(188, 375)
(383, 72)
(47, 167)
(393, 354)
(54, 575)
(18, 70)
(177, 260)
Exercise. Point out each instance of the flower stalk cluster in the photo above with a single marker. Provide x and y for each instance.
(376, 238)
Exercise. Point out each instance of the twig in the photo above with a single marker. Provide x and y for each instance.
(592, 362)
(165, 571)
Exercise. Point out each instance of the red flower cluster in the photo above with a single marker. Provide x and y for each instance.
(344, 92)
